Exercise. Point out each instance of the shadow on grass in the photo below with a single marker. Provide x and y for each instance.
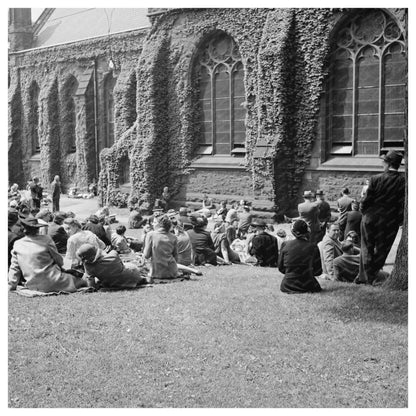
(366, 303)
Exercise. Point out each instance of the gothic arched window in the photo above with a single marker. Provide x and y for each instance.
(367, 87)
(109, 84)
(34, 118)
(220, 77)
(69, 114)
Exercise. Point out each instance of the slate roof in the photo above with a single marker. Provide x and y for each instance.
(66, 25)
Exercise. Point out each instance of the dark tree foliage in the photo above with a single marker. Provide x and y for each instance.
(399, 276)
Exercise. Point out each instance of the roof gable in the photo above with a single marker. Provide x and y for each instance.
(66, 25)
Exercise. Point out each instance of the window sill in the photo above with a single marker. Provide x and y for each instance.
(219, 162)
(354, 163)
(35, 157)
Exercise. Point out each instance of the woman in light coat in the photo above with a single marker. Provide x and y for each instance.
(161, 246)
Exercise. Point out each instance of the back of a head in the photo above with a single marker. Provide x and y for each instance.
(121, 229)
(199, 222)
(164, 222)
(87, 252)
(346, 191)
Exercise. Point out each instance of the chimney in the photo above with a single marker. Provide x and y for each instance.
(20, 29)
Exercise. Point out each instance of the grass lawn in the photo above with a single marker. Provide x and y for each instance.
(227, 339)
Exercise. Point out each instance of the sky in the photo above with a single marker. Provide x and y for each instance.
(36, 13)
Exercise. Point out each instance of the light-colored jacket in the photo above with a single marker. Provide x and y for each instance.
(75, 242)
(37, 260)
(162, 248)
(330, 249)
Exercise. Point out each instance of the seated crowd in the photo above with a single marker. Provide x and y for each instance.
(60, 252)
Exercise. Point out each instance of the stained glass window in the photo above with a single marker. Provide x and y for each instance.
(367, 86)
(220, 74)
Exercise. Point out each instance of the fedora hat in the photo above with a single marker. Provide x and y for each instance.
(308, 194)
(31, 221)
(258, 222)
(393, 157)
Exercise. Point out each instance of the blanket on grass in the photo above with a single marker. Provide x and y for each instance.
(29, 293)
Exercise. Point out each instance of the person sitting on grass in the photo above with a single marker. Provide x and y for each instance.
(57, 232)
(263, 245)
(244, 220)
(330, 247)
(13, 233)
(231, 230)
(355, 239)
(119, 242)
(161, 246)
(185, 255)
(346, 266)
(300, 262)
(94, 225)
(222, 212)
(221, 244)
(136, 219)
(202, 244)
(232, 213)
(44, 217)
(36, 260)
(107, 270)
(78, 237)
(184, 219)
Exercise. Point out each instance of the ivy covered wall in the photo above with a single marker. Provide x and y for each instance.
(50, 68)
(285, 58)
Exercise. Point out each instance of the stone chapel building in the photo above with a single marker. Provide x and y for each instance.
(255, 104)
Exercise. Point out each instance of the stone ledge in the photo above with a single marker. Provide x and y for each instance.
(218, 162)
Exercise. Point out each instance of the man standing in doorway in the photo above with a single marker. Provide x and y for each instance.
(56, 193)
(383, 213)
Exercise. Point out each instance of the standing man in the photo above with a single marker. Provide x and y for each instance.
(353, 222)
(36, 193)
(383, 213)
(309, 212)
(324, 215)
(344, 206)
(56, 193)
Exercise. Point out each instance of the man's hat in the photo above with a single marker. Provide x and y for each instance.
(308, 194)
(258, 222)
(393, 157)
(31, 221)
(319, 192)
(13, 217)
